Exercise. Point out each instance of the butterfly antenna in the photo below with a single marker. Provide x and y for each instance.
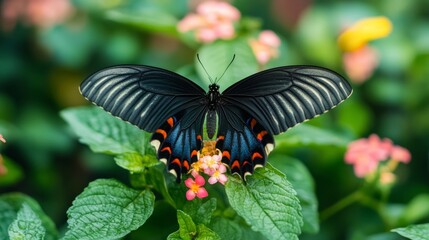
(232, 60)
(205, 70)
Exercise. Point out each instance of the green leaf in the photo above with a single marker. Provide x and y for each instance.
(226, 229)
(303, 183)
(416, 209)
(305, 134)
(200, 213)
(174, 236)
(14, 172)
(107, 209)
(27, 225)
(10, 206)
(156, 177)
(205, 233)
(268, 203)
(150, 19)
(216, 56)
(187, 227)
(414, 232)
(106, 134)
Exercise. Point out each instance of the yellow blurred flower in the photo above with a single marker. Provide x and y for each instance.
(363, 31)
(359, 59)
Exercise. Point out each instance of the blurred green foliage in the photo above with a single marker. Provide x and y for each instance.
(41, 68)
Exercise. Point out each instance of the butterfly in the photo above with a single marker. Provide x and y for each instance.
(244, 117)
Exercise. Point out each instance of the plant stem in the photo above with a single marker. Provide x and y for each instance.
(352, 198)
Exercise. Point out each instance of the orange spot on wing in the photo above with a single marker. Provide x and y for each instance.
(199, 137)
(170, 122)
(177, 161)
(252, 123)
(194, 153)
(235, 164)
(226, 154)
(220, 138)
(256, 155)
(261, 135)
(168, 149)
(160, 131)
(186, 165)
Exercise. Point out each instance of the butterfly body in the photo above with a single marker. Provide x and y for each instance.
(244, 117)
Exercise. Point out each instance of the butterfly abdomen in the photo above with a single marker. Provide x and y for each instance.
(211, 123)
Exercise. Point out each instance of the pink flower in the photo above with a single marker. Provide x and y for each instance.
(218, 175)
(195, 188)
(365, 154)
(2, 139)
(42, 13)
(360, 64)
(3, 169)
(265, 47)
(213, 20)
(400, 154)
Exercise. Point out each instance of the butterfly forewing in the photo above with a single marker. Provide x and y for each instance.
(142, 95)
(282, 97)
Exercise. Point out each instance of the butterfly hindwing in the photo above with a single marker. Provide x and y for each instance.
(279, 98)
(178, 141)
(242, 141)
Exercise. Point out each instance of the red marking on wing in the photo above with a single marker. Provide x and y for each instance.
(226, 154)
(261, 135)
(256, 155)
(160, 131)
(252, 123)
(186, 165)
(168, 149)
(235, 164)
(177, 161)
(170, 122)
(194, 153)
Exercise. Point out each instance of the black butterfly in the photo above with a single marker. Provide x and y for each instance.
(249, 112)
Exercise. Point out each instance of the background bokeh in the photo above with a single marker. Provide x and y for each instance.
(49, 46)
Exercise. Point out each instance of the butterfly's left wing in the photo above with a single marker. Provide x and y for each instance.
(270, 102)
(158, 101)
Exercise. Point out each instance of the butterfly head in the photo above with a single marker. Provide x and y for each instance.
(214, 87)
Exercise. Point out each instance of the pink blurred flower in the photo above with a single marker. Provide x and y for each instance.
(3, 169)
(266, 46)
(195, 188)
(212, 20)
(360, 64)
(41, 13)
(365, 154)
(218, 175)
(2, 139)
(400, 154)
(359, 59)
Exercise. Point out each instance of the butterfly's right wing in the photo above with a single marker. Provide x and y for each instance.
(158, 101)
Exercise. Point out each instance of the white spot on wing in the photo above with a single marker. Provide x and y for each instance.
(156, 144)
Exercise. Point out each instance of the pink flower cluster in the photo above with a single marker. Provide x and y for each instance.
(213, 20)
(266, 46)
(210, 165)
(366, 154)
(41, 13)
(3, 169)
